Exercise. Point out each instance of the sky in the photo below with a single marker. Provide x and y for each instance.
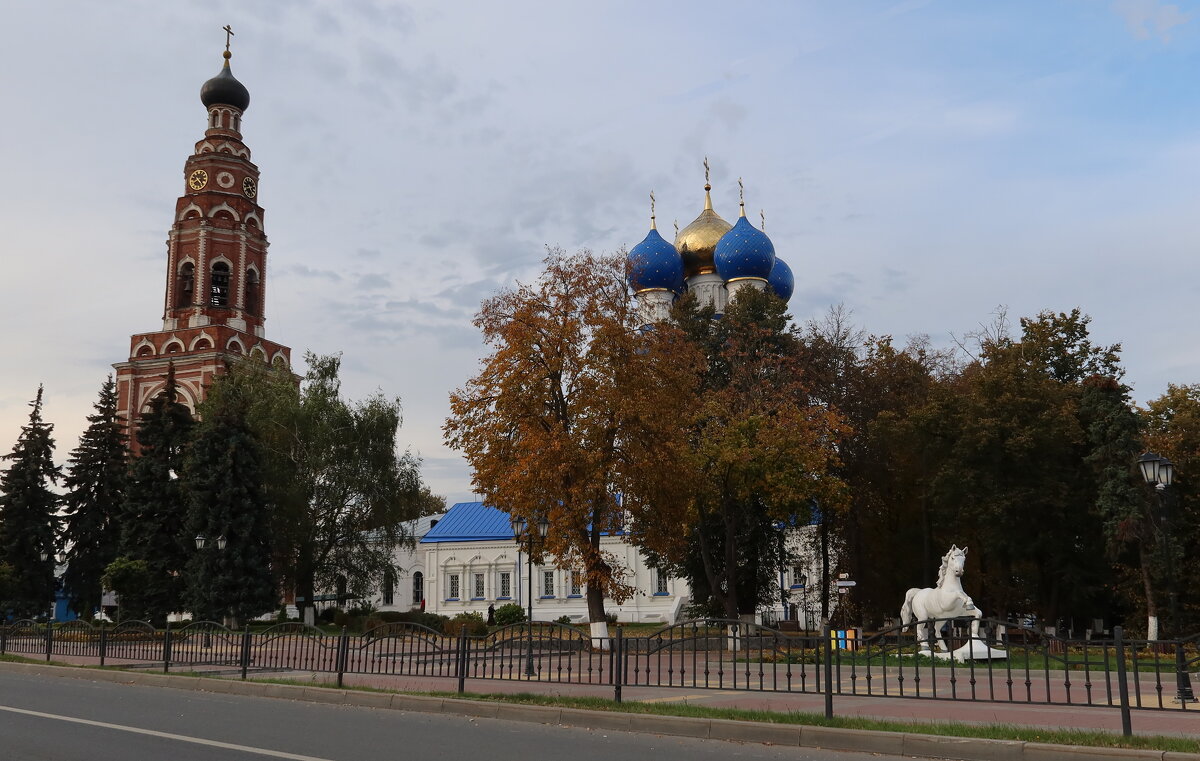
(922, 163)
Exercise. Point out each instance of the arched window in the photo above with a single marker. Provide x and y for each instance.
(219, 292)
(418, 588)
(389, 588)
(252, 291)
(185, 285)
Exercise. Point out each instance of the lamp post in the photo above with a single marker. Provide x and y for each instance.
(803, 582)
(201, 543)
(1159, 472)
(521, 530)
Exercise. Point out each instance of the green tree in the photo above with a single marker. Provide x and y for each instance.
(154, 517)
(95, 492)
(28, 517)
(224, 486)
(1172, 429)
(338, 491)
(1013, 480)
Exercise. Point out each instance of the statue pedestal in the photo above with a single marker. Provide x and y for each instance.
(974, 650)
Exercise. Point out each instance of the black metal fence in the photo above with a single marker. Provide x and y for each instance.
(1010, 663)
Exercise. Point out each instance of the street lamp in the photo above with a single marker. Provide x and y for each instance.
(1159, 472)
(802, 580)
(520, 529)
(202, 542)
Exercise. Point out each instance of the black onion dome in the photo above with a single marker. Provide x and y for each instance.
(224, 89)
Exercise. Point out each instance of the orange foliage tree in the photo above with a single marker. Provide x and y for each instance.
(575, 411)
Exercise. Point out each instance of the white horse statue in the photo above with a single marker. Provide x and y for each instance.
(948, 600)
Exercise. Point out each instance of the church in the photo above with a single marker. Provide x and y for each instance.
(214, 313)
(468, 560)
(214, 295)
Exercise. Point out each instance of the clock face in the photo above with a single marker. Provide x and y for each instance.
(198, 179)
(249, 188)
(225, 179)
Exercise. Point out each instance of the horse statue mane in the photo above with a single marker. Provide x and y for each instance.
(946, 562)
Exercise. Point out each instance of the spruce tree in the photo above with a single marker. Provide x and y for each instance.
(95, 483)
(223, 480)
(28, 519)
(154, 518)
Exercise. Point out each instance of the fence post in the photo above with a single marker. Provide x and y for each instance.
(461, 660)
(245, 651)
(167, 648)
(49, 639)
(103, 643)
(828, 651)
(343, 653)
(3, 639)
(618, 663)
(1183, 680)
(1122, 682)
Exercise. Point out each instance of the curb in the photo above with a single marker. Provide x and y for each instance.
(794, 735)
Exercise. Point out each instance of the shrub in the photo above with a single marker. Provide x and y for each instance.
(563, 620)
(610, 618)
(509, 613)
(432, 620)
(327, 615)
(474, 622)
(391, 616)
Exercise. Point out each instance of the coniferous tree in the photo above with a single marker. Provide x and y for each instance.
(223, 480)
(95, 483)
(28, 519)
(154, 518)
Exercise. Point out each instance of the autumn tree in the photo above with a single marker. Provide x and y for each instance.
(576, 413)
(95, 492)
(28, 518)
(757, 452)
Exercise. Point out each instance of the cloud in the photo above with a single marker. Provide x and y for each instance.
(373, 281)
(1146, 17)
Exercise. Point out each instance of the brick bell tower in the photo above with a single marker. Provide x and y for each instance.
(215, 297)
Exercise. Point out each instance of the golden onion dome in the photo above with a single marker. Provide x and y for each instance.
(697, 242)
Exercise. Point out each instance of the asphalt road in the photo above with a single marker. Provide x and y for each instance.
(62, 719)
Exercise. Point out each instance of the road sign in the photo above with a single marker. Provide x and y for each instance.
(843, 591)
(847, 583)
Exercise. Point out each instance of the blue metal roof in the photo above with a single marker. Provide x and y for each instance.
(471, 521)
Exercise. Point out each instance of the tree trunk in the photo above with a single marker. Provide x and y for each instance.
(1147, 587)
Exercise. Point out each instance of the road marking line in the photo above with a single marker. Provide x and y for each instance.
(167, 735)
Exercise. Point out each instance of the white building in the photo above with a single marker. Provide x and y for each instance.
(466, 560)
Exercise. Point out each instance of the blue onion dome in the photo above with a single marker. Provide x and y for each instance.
(697, 242)
(655, 264)
(225, 90)
(781, 280)
(744, 252)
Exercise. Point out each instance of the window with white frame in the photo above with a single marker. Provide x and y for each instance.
(506, 583)
(660, 582)
(418, 589)
(453, 587)
(547, 583)
(799, 578)
(576, 583)
(478, 591)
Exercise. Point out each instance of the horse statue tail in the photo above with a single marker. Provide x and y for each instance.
(906, 611)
